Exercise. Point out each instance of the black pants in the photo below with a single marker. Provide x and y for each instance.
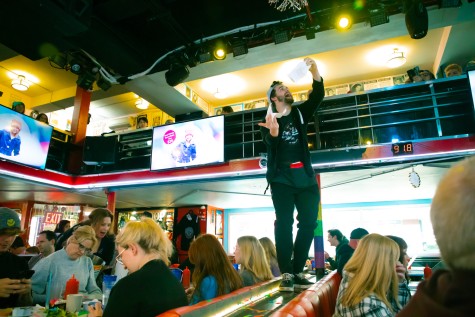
(306, 200)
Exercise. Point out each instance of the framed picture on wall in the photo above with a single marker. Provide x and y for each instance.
(219, 222)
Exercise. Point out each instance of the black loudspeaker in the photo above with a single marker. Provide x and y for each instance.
(176, 74)
(417, 20)
(100, 150)
(190, 116)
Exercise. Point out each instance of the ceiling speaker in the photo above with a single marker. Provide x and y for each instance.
(176, 74)
(417, 20)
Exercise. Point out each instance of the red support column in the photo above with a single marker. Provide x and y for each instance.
(26, 219)
(78, 128)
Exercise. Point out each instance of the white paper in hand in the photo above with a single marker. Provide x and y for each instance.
(299, 71)
(276, 114)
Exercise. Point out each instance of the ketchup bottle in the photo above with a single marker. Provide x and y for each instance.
(186, 278)
(427, 272)
(72, 287)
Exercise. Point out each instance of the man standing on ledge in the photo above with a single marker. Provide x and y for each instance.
(291, 176)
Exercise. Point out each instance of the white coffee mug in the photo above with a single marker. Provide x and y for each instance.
(74, 303)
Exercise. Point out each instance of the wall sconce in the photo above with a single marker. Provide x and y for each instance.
(396, 59)
(20, 83)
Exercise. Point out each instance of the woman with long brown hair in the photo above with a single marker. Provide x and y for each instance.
(214, 275)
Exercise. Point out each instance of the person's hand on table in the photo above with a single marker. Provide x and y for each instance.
(96, 310)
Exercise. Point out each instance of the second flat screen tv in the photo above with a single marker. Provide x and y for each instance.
(187, 144)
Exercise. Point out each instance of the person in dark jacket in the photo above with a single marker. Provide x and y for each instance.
(101, 220)
(451, 292)
(291, 176)
(347, 250)
(336, 239)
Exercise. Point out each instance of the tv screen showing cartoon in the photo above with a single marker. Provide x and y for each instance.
(23, 140)
(186, 144)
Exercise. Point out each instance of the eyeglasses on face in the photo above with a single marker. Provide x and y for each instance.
(83, 248)
(119, 256)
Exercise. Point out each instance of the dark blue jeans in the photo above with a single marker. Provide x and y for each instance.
(286, 199)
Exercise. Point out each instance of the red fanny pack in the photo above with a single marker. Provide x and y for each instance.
(296, 165)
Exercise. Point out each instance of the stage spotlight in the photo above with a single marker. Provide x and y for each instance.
(219, 50)
(176, 74)
(205, 57)
(281, 36)
(239, 48)
(60, 60)
(343, 21)
(219, 53)
(310, 33)
(450, 3)
(75, 67)
(102, 83)
(377, 17)
(86, 80)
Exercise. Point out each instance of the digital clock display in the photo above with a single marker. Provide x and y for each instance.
(402, 148)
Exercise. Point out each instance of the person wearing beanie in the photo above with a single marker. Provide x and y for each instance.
(15, 287)
(347, 250)
(290, 175)
(450, 292)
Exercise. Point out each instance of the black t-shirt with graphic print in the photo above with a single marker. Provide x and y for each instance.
(291, 151)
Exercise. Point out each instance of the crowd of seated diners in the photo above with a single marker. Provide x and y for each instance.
(373, 281)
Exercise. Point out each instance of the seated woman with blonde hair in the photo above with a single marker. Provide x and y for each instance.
(214, 274)
(271, 255)
(251, 256)
(72, 259)
(370, 283)
(150, 288)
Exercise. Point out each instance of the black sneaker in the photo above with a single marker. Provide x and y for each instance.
(301, 282)
(287, 284)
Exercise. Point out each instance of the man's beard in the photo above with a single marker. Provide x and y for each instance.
(287, 99)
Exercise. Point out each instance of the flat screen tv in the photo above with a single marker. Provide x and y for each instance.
(471, 79)
(187, 144)
(23, 140)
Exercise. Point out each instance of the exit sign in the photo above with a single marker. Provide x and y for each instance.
(53, 218)
(402, 148)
